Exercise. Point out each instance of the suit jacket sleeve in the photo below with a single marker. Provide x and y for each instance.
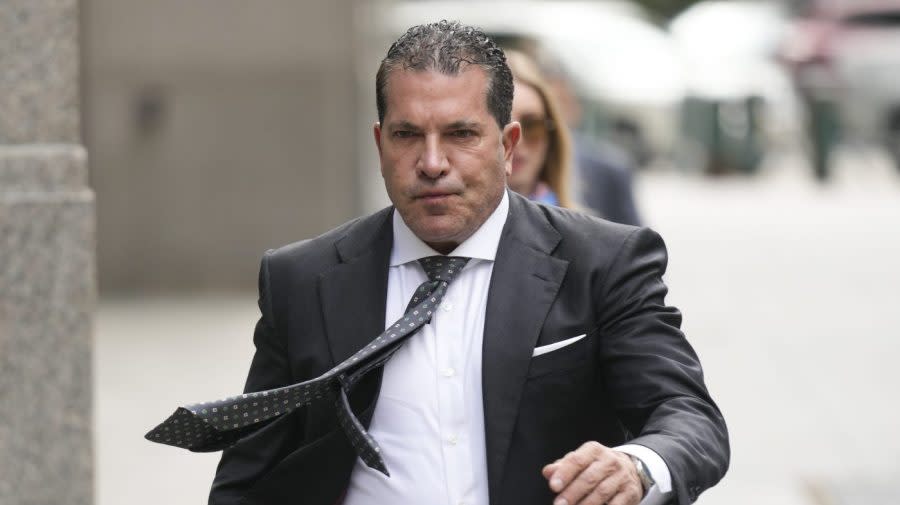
(243, 464)
(653, 374)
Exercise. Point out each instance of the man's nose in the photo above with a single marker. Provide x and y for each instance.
(433, 161)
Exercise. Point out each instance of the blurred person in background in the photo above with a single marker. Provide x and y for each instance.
(603, 171)
(541, 166)
(554, 372)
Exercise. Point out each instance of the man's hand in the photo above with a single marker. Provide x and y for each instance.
(594, 474)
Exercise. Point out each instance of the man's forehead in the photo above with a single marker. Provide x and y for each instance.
(465, 76)
(407, 89)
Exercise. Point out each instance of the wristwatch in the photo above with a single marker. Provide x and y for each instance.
(646, 479)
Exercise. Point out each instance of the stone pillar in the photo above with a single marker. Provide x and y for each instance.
(47, 279)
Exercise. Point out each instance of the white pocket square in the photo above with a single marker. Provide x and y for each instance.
(544, 349)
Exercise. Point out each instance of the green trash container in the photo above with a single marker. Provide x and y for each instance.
(727, 131)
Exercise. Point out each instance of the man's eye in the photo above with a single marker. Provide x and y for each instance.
(463, 134)
(404, 134)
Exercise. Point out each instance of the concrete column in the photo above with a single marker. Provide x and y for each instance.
(47, 279)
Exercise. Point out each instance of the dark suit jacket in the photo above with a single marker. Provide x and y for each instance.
(557, 274)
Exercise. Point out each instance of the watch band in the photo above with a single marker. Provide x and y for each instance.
(646, 479)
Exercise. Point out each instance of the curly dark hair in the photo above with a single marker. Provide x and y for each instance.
(447, 47)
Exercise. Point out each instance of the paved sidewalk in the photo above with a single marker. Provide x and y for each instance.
(151, 355)
(790, 294)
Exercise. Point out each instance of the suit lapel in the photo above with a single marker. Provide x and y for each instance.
(524, 284)
(353, 294)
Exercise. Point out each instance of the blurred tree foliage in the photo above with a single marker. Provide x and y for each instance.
(665, 9)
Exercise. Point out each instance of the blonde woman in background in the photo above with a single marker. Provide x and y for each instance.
(542, 159)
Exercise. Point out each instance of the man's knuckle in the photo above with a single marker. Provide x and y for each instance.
(578, 459)
(607, 489)
(593, 447)
(594, 473)
(600, 495)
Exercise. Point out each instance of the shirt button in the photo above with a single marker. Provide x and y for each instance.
(449, 372)
(452, 440)
(447, 306)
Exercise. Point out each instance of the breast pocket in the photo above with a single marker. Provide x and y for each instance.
(561, 356)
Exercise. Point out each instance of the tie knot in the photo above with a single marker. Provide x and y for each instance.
(443, 268)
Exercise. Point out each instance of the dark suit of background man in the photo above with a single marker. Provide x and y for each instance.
(554, 372)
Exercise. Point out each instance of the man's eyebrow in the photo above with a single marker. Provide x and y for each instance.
(463, 124)
(402, 125)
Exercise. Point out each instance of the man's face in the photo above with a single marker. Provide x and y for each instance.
(444, 159)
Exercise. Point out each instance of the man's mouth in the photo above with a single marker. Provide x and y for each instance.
(433, 196)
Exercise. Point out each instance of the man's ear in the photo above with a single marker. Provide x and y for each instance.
(376, 130)
(512, 133)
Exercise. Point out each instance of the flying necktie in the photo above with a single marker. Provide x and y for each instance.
(213, 426)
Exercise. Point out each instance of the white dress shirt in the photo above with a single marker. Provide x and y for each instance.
(429, 417)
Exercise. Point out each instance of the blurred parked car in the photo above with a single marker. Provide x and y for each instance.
(845, 59)
(624, 67)
(739, 99)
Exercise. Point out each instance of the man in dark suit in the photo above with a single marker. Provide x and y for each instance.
(551, 372)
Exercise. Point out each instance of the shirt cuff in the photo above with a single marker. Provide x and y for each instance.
(658, 470)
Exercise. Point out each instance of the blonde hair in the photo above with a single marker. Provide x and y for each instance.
(555, 172)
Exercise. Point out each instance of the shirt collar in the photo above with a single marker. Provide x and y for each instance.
(481, 245)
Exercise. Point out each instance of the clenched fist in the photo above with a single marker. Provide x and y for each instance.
(594, 474)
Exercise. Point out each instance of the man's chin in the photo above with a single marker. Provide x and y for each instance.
(439, 230)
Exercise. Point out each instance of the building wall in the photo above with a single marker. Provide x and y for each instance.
(218, 129)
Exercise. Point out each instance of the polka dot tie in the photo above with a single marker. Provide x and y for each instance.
(216, 425)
